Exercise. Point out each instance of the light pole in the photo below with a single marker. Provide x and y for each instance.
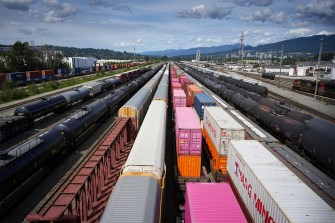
(281, 63)
(316, 74)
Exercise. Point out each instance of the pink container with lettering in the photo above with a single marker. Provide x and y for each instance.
(176, 85)
(212, 202)
(188, 131)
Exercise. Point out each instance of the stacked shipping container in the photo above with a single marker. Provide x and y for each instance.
(200, 101)
(219, 128)
(191, 90)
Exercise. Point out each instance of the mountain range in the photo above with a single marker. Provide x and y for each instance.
(304, 45)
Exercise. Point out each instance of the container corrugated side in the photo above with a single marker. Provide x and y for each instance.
(188, 131)
(271, 191)
(174, 79)
(200, 101)
(212, 202)
(189, 165)
(134, 199)
(176, 85)
(221, 128)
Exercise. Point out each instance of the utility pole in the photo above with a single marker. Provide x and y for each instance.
(281, 63)
(316, 74)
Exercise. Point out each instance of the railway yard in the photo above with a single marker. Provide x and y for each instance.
(142, 146)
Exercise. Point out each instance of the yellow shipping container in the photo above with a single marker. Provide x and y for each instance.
(189, 165)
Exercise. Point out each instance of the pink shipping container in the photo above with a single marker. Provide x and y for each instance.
(188, 131)
(176, 85)
(174, 80)
(179, 98)
(212, 202)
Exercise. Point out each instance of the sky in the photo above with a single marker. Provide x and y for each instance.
(151, 25)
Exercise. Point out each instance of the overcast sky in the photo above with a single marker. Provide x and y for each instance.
(162, 24)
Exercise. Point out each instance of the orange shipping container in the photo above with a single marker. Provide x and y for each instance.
(217, 162)
(189, 165)
(191, 90)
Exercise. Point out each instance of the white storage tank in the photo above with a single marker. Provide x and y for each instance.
(270, 191)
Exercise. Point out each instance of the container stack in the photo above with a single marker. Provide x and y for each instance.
(212, 202)
(200, 101)
(218, 129)
(188, 142)
(191, 90)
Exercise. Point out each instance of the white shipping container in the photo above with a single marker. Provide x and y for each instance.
(94, 87)
(270, 191)
(221, 128)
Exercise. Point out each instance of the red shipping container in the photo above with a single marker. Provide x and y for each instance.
(35, 75)
(188, 131)
(179, 98)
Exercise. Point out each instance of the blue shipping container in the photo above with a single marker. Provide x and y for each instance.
(62, 72)
(19, 78)
(200, 101)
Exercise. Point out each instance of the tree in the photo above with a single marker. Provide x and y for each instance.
(324, 56)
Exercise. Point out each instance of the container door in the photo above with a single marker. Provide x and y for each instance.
(184, 141)
(195, 145)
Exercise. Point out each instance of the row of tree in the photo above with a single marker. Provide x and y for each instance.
(22, 57)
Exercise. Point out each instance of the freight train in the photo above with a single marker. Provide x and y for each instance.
(311, 137)
(138, 195)
(25, 116)
(37, 76)
(19, 163)
(325, 87)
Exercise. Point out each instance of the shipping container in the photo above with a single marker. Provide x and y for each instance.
(270, 191)
(19, 78)
(179, 98)
(48, 75)
(212, 202)
(134, 199)
(189, 165)
(94, 87)
(176, 85)
(188, 131)
(147, 154)
(191, 90)
(200, 101)
(34, 76)
(221, 127)
(174, 79)
(62, 72)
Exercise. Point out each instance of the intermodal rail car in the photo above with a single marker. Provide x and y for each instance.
(17, 164)
(298, 130)
(138, 195)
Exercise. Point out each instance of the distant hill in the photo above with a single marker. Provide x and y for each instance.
(192, 51)
(304, 45)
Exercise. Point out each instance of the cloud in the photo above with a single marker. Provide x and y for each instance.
(22, 5)
(254, 2)
(41, 31)
(25, 31)
(298, 32)
(51, 2)
(323, 32)
(138, 42)
(111, 5)
(322, 11)
(210, 11)
(60, 13)
(279, 17)
(261, 15)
